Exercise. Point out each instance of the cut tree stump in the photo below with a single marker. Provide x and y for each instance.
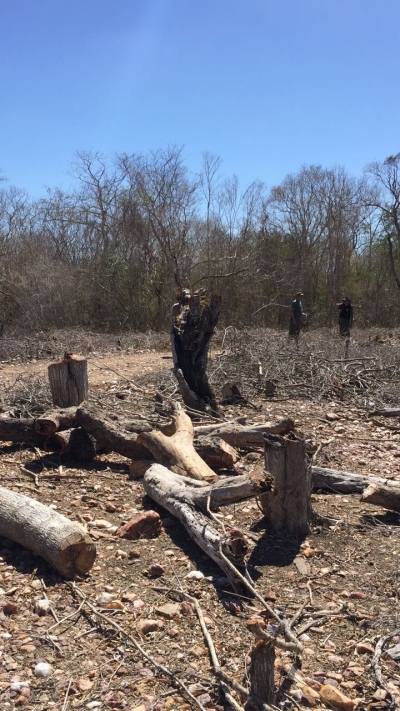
(385, 496)
(288, 506)
(262, 667)
(193, 321)
(61, 542)
(68, 380)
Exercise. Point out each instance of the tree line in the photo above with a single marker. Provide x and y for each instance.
(111, 252)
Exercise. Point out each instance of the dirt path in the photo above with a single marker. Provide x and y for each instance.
(101, 367)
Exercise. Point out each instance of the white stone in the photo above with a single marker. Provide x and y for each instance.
(43, 669)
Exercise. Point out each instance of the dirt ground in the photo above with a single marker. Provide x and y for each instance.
(345, 573)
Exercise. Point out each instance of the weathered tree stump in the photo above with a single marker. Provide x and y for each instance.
(288, 507)
(68, 380)
(262, 667)
(63, 543)
(193, 321)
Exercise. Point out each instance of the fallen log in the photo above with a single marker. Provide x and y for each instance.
(54, 421)
(395, 412)
(385, 496)
(109, 435)
(76, 442)
(61, 542)
(217, 453)
(251, 436)
(176, 450)
(171, 492)
(13, 430)
(342, 482)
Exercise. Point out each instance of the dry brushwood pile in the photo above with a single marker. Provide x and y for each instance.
(155, 624)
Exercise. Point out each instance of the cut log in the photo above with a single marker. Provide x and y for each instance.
(68, 380)
(61, 542)
(55, 420)
(217, 453)
(13, 430)
(171, 492)
(385, 496)
(395, 412)
(193, 321)
(177, 451)
(252, 436)
(109, 434)
(341, 482)
(76, 442)
(288, 507)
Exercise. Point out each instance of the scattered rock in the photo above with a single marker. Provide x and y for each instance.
(195, 575)
(147, 626)
(334, 697)
(169, 610)
(187, 608)
(144, 525)
(364, 648)
(43, 670)
(10, 608)
(155, 571)
(42, 607)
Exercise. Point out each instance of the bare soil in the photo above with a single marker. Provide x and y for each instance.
(350, 559)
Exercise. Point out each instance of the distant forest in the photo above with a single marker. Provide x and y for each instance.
(111, 253)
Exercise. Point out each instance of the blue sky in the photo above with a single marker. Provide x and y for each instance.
(267, 85)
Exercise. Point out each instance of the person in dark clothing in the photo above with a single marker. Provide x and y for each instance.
(296, 312)
(345, 315)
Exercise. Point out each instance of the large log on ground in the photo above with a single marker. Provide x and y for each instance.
(385, 496)
(288, 506)
(217, 453)
(63, 543)
(54, 421)
(13, 430)
(68, 380)
(109, 434)
(176, 451)
(250, 436)
(76, 442)
(343, 482)
(171, 492)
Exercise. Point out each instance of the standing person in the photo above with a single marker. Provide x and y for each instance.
(345, 315)
(296, 312)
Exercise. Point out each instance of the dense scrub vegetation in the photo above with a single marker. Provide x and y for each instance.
(111, 253)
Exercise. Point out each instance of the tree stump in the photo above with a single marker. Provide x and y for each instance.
(68, 380)
(288, 507)
(193, 321)
(262, 667)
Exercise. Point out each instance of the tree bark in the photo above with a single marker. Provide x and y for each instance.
(385, 496)
(288, 506)
(76, 442)
(341, 482)
(176, 451)
(68, 380)
(171, 492)
(63, 543)
(108, 433)
(217, 453)
(55, 420)
(193, 321)
(252, 436)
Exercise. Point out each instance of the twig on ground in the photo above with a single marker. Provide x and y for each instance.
(134, 643)
(377, 667)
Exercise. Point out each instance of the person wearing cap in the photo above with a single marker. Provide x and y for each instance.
(345, 315)
(296, 312)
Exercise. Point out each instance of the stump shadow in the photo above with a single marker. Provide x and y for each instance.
(275, 549)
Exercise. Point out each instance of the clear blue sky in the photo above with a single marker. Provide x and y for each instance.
(267, 85)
